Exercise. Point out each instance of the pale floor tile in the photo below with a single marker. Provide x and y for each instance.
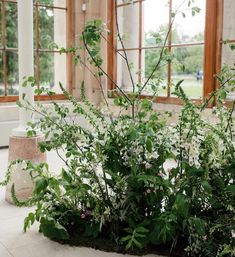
(4, 252)
(52, 249)
(3, 162)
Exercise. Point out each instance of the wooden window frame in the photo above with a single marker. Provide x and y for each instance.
(69, 58)
(212, 49)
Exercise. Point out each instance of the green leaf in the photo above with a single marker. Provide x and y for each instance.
(142, 230)
(146, 104)
(199, 225)
(66, 176)
(231, 189)
(28, 221)
(137, 243)
(207, 187)
(149, 145)
(126, 238)
(40, 185)
(53, 229)
(223, 94)
(19, 104)
(181, 206)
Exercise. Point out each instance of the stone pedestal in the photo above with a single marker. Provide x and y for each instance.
(23, 148)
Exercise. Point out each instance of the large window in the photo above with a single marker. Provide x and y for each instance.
(228, 56)
(51, 24)
(193, 36)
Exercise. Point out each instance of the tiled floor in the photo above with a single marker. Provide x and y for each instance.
(15, 243)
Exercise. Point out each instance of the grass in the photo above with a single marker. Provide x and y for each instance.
(192, 87)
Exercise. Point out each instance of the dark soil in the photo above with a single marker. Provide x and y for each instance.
(107, 245)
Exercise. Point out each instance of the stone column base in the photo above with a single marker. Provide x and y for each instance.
(23, 148)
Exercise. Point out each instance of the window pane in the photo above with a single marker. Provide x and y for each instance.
(11, 25)
(182, 31)
(228, 57)
(12, 73)
(229, 20)
(57, 3)
(123, 77)
(1, 75)
(155, 21)
(188, 65)
(159, 79)
(52, 27)
(1, 24)
(53, 71)
(128, 21)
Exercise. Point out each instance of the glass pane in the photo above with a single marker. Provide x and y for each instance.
(12, 73)
(155, 21)
(123, 2)
(228, 57)
(229, 20)
(53, 71)
(57, 3)
(11, 25)
(182, 31)
(158, 83)
(188, 65)
(1, 75)
(0, 25)
(52, 27)
(123, 77)
(128, 21)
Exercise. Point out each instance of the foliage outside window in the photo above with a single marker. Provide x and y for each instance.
(49, 27)
(144, 27)
(194, 52)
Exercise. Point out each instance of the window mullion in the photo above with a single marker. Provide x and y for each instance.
(210, 47)
(140, 39)
(4, 48)
(37, 45)
(169, 49)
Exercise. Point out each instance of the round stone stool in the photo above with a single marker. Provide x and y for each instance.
(23, 148)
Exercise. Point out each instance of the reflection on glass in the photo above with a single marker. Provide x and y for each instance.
(188, 25)
(52, 27)
(2, 91)
(228, 58)
(187, 65)
(0, 25)
(123, 77)
(11, 24)
(128, 21)
(155, 21)
(53, 71)
(158, 82)
(57, 3)
(12, 73)
(46, 70)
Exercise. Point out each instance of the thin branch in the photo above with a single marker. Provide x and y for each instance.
(100, 85)
(106, 74)
(114, 49)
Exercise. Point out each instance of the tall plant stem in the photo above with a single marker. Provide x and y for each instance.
(101, 69)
